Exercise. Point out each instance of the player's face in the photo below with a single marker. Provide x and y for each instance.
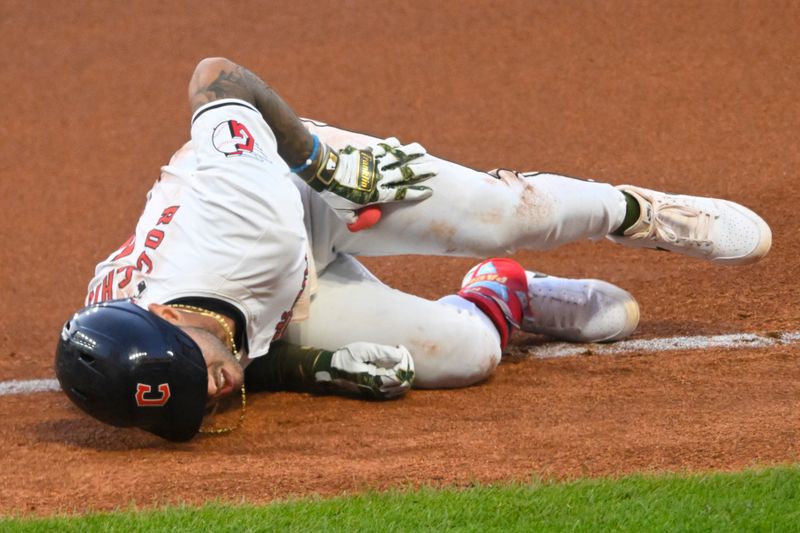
(225, 374)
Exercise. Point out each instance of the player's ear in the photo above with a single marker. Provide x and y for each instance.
(166, 312)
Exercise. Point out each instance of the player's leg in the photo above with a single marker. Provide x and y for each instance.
(481, 214)
(474, 213)
(457, 340)
(453, 343)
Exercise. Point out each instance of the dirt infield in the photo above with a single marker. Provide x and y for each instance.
(677, 96)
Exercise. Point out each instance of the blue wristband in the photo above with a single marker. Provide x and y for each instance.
(308, 162)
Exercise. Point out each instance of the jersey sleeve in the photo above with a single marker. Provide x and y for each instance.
(232, 133)
(238, 175)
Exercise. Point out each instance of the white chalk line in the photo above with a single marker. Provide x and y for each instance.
(550, 350)
(644, 346)
(28, 386)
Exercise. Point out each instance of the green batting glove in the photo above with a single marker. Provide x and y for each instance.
(385, 172)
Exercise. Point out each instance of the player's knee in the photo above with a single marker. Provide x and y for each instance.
(458, 372)
(460, 362)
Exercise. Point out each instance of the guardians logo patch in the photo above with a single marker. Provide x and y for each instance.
(233, 138)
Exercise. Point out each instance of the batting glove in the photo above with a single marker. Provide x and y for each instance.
(372, 370)
(384, 172)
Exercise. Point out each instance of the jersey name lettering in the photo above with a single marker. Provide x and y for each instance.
(104, 290)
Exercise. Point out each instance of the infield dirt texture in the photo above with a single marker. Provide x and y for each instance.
(694, 97)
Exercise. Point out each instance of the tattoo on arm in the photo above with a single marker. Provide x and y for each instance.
(227, 84)
(218, 78)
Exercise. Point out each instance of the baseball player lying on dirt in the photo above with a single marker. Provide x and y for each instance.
(248, 225)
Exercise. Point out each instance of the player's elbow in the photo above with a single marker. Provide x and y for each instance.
(207, 70)
(212, 64)
(214, 78)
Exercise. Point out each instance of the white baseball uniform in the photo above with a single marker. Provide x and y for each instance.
(241, 219)
(223, 222)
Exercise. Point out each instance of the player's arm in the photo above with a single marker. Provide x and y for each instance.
(217, 78)
(350, 178)
(372, 370)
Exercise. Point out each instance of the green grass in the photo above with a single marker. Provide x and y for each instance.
(757, 500)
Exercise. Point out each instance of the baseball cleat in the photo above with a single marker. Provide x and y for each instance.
(578, 310)
(707, 228)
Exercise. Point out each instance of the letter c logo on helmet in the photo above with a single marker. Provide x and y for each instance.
(142, 389)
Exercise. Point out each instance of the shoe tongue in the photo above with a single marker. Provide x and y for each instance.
(645, 221)
(683, 223)
(674, 222)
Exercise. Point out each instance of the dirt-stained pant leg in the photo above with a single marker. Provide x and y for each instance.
(452, 345)
(473, 213)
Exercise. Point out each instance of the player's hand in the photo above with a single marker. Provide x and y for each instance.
(373, 370)
(384, 172)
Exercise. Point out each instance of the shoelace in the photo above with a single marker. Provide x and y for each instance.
(669, 224)
(562, 297)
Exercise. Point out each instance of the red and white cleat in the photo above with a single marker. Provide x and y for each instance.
(578, 310)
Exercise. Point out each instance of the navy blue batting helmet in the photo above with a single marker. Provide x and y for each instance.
(128, 367)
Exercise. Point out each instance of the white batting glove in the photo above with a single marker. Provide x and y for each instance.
(384, 172)
(373, 370)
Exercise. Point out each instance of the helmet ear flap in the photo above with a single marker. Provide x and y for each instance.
(127, 367)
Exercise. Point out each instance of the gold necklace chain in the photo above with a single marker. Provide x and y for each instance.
(216, 316)
(232, 341)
